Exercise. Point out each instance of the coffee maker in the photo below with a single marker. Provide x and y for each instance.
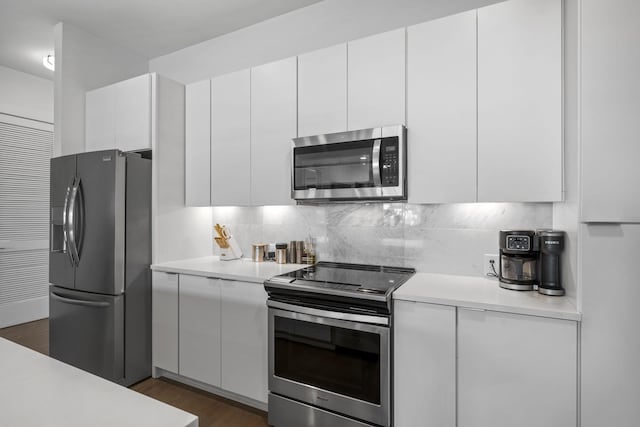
(518, 263)
(551, 244)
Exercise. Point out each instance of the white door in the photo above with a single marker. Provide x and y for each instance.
(100, 119)
(376, 80)
(322, 91)
(273, 125)
(198, 144)
(231, 139)
(424, 363)
(133, 113)
(244, 339)
(516, 370)
(164, 314)
(520, 145)
(199, 322)
(441, 111)
(610, 108)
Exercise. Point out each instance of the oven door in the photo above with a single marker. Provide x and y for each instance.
(333, 360)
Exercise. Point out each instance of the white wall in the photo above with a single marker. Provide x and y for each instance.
(25, 95)
(320, 25)
(84, 62)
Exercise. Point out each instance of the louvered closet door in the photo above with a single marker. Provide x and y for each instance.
(25, 152)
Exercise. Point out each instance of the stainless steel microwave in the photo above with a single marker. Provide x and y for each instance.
(360, 165)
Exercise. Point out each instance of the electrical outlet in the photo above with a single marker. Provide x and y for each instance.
(490, 260)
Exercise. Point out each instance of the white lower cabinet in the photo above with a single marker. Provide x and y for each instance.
(424, 365)
(199, 326)
(164, 314)
(244, 339)
(516, 370)
(213, 331)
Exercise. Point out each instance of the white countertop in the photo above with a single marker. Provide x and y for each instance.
(242, 269)
(484, 294)
(40, 391)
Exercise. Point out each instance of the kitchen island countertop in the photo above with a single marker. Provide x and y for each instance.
(483, 294)
(38, 390)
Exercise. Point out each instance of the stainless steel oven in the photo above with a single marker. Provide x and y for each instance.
(328, 367)
(366, 164)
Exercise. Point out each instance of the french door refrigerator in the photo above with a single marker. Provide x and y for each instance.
(99, 259)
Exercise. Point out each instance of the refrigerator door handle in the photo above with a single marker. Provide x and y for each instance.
(72, 223)
(65, 221)
(79, 301)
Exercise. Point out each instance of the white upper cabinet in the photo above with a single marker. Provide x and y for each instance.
(441, 110)
(322, 91)
(520, 145)
(133, 113)
(119, 116)
(231, 139)
(610, 109)
(376, 80)
(273, 125)
(516, 370)
(198, 144)
(100, 107)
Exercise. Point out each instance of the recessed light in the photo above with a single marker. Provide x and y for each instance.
(49, 62)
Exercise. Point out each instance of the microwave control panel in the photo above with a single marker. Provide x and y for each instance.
(389, 162)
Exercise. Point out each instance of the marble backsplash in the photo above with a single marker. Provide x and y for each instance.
(447, 238)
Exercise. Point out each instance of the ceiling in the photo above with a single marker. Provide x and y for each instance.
(150, 28)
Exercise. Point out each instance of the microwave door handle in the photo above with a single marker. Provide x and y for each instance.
(375, 163)
(65, 221)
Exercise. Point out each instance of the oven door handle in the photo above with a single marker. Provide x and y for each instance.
(337, 315)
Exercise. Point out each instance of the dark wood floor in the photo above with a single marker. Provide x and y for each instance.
(212, 410)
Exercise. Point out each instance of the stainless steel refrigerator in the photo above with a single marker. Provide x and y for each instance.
(99, 259)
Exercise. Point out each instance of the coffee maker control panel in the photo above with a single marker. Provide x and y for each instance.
(518, 243)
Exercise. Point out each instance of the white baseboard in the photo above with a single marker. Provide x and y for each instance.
(24, 311)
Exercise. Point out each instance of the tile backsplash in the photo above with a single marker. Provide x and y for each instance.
(447, 238)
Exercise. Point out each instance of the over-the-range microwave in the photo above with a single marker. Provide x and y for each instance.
(360, 165)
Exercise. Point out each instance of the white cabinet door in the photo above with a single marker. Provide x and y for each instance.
(516, 370)
(100, 119)
(198, 144)
(520, 144)
(610, 343)
(165, 321)
(231, 139)
(133, 113)
(376, 80)
(322, 91)
(244, 339)
(441, 111)
(273, 125)
(610, 109)
(424, 364)
(200, 329)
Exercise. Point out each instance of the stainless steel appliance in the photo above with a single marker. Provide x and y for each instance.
(518, 260)
(551, 244)
(367, 164)
(100, 251)
(330, 345)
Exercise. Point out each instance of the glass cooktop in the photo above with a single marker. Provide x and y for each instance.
(351, 277)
